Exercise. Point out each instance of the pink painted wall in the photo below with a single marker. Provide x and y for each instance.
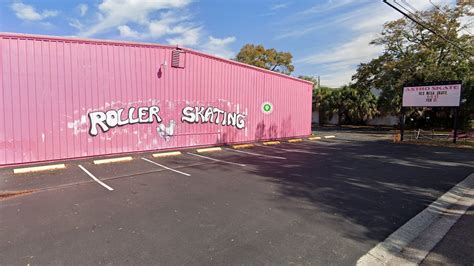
(49, 86)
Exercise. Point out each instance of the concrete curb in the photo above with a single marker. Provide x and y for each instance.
(242, 146)
(209, 149)
(411, 243)
(295, 140)
(38, 168)
(270, 142)
(166, 154)
(113, 160)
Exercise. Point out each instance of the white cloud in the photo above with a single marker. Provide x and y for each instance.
(28, 12)
(188, 37)
(115, 13)
(279, 6)
(147, 20)
(126, 32)
(170, 23)
(348, 19)
(328, 6)
(337, 77)
(337, 64)
(175, 27)
(274, 9)
(167, 20)
(75, 23)
(353, 51)
(158, 28)
(219, 47)
(82, 9)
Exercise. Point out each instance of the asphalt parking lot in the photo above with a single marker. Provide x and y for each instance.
(323, 202)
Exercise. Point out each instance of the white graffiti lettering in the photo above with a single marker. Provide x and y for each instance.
(201, 114)
(188, 114)
(112, 118)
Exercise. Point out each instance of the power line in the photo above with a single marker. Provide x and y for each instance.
(407, 10)
(410, 6)
(426, 27)
(415, 11)
(443, 12)
(437, 7)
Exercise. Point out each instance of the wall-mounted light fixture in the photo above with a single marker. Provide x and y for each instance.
(162, 68)
(164, 65)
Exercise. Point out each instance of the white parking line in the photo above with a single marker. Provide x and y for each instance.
(166, 167)
(95, 178)
(257, 154)
(214, 159)
(289, 150)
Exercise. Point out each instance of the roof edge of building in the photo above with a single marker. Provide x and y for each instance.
(104, 41)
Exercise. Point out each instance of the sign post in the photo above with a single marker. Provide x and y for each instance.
(439, 94)
(402, 124)
(455, 133)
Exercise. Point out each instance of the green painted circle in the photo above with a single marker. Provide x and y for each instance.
(267, 108)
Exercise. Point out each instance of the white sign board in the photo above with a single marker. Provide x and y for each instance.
(432, 95)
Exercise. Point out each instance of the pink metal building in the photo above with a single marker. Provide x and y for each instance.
(64, 98)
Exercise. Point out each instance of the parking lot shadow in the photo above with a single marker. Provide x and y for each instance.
(367, 189)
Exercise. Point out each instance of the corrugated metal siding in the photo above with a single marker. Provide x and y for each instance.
(48, 87)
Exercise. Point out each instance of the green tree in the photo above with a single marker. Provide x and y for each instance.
(413, 54)
(320, 96)
(270, 59)
(320, 93)
(351, 105)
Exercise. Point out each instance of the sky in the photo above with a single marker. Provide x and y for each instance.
(327, 38)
